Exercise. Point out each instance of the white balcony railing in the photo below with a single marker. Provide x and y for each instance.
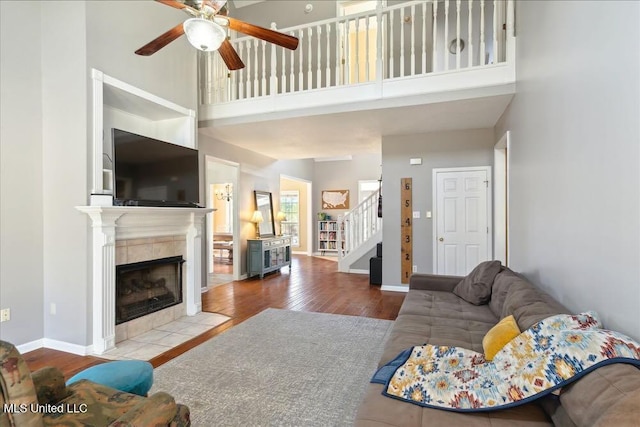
(407, 39)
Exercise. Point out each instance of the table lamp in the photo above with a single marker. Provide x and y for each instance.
(257, 219)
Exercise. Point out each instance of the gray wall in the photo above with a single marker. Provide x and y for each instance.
(437, 150)
(21, 256)
(46, 107)
(575, 154)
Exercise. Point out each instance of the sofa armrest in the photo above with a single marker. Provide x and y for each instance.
(156, 410)
(433, 282)
(49, 384)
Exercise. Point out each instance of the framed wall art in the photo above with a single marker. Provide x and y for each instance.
(335, 199)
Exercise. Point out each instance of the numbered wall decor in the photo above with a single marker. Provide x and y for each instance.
(406, 228)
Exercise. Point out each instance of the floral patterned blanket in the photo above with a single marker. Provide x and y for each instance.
(551, 354)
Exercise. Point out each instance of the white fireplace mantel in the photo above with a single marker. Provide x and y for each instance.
(131, 222)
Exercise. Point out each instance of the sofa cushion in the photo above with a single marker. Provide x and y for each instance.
(439, 318)
(608, 396)
(503, 281)
(530, 305)
(498, 336)
(476, 287)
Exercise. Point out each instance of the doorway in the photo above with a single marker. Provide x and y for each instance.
(501, 202)
(462, 222)
(295, 204)
(222, 230)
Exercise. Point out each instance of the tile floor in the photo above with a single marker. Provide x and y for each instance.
(165, 337)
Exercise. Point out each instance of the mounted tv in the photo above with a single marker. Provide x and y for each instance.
(149, 172)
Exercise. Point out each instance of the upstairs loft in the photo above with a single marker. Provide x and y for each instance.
(384, 59)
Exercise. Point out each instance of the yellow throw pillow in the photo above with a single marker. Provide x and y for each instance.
(499, 336)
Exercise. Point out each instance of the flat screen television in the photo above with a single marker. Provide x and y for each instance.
(149, 172)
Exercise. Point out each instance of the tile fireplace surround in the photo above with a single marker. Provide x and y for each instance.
(130, 233)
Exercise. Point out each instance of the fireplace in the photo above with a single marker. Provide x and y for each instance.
(145, 287)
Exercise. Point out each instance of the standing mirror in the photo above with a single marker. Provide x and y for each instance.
(264, 204)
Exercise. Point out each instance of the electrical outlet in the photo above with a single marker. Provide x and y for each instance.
(415, 268)
(53, 308)
(5, 315)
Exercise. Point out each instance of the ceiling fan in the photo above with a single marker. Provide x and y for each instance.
(205, 31)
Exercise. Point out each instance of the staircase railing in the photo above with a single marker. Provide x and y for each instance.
(399, 41)
(358, 225)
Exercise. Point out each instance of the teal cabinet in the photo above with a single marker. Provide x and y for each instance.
(268, 254)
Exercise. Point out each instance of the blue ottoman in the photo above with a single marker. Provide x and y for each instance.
(132, 376)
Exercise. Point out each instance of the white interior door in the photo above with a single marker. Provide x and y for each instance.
(462, 226)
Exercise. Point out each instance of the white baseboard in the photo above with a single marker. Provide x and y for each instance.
(67, 347)
(30, 346)
(395, 288)
(243, 276)
(358, 271)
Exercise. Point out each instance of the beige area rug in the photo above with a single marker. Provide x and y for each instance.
(278, 368)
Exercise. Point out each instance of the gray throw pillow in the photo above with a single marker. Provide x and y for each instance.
(476, 287)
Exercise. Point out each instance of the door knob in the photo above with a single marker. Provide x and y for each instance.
(441, 239)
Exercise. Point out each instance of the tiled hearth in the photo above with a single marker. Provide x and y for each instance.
(164, 337)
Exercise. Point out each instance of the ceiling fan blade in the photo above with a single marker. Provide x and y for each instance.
(271, 36)
(230, 56)
(159, 42)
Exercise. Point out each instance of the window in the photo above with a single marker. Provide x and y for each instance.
(290, 206)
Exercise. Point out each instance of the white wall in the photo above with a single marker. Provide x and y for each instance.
(437, 150)
(21, 256)
(575, 156)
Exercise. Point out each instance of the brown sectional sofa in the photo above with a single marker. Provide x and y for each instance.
(433, 314)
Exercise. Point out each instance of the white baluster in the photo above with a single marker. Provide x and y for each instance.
(300, 65)
(470, 36)
(413, 39)
(496, 48)
(328, 60)
(366, 62)
(357, 49)
(423, 54)
(347, 53)
(285, 88)
(434, 66)
(319, 65)
(483, 47)
(263, 81)
(402, 43)
(310, 56)
(256, 88)
(446, 34)
(273, 80)
(391, 31)
(292, 82)
(458, 4)
(243, 72)
(379, 59)
(339, 53)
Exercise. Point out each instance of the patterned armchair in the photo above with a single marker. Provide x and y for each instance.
(42, 399)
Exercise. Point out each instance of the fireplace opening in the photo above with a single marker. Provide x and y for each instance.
(148, 286)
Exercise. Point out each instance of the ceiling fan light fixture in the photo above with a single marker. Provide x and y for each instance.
(203, 34)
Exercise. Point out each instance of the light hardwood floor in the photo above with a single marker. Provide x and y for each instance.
(313, 284)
